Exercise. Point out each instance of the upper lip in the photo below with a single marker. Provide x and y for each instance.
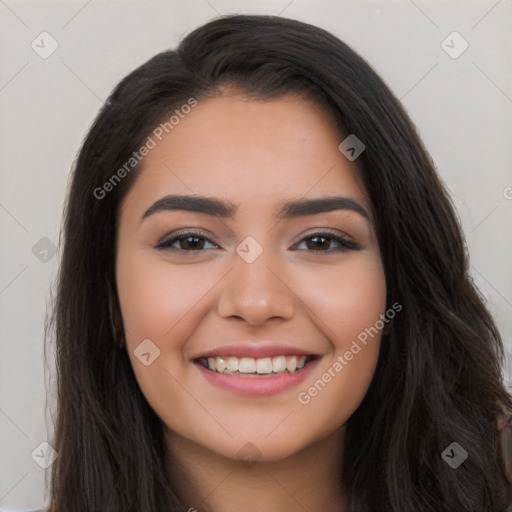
(255, 350)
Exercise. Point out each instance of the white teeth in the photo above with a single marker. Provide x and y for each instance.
(221, 363)
(291, 363)
(260, 366)
(232, 365)
(264, 365)
(247, 365)
(279, 364)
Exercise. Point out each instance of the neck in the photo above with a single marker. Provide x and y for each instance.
(208, 482)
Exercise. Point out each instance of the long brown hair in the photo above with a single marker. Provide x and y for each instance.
(438, 378)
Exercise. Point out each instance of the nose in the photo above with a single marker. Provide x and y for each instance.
(257, 291)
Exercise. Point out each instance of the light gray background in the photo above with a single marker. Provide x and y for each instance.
(462, 107)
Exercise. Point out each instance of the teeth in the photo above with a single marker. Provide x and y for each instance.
(279, 364)
(221, 363)
(247, 365)
(291, 364)
(250, 365)
(232, 365)
(263, 365)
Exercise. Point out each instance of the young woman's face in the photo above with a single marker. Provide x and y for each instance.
(263, 274)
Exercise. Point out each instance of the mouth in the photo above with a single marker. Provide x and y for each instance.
(262, 367)
(255, 370)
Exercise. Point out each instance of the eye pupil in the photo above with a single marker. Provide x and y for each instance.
(197, 243)
(317, 242)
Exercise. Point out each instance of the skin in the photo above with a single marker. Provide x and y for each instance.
(258, 155)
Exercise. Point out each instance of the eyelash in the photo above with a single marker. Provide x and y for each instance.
(169, 240)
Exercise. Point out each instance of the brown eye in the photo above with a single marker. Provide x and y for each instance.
(322, 242)
(318, 242)
(186, 242)
(191, 243)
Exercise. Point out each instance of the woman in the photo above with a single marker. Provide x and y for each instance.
(264, 299)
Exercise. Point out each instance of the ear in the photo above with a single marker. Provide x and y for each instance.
(116, 320)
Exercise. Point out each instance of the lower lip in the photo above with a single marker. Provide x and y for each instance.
(257, 386)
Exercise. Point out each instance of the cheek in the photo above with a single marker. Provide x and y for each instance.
(167, 303)
(349, 305)
(157, 297)
(346, 299)
(164, 303)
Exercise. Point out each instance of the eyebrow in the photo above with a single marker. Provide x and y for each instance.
(227, 210)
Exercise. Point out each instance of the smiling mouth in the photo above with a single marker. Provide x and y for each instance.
(256, 367)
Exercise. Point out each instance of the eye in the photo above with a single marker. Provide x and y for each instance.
(194, 242)
(321, 242)
(188, 241)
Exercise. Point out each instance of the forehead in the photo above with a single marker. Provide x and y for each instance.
(249, 149)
